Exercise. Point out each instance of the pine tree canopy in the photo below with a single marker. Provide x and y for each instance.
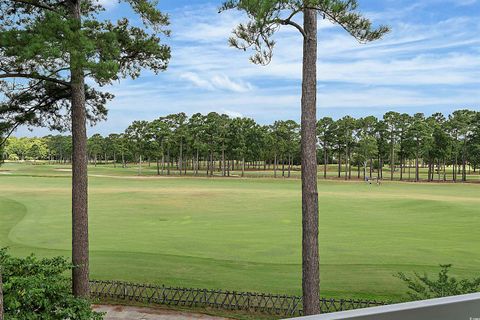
(40, 42)
(267, 16)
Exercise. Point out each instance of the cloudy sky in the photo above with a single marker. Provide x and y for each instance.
(429, 62)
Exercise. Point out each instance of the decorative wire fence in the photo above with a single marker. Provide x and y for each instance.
(272, 304)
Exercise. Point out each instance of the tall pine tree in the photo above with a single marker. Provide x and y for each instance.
(266, 16)
(49, 50)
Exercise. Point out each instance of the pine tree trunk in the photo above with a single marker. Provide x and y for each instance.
(275, 166)
(371, 167)
(365, 171)
(444, 170)
(163, 162)
(180, 159)
(325, 160)
(196, 164)
(417, 169)
(409, 169)
(392, 159)
(401, 168)
(455, 168)
(310, 255)
(80, 250)
(243, 167)
(223, 161)
(379, 168)
(140, 166)
(158, 167)
(168, 162)
(289, 165)
(349, 166)
(207, 160)
(211, 164)
(339, 164)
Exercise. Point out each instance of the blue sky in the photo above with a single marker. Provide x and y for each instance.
(429, 62)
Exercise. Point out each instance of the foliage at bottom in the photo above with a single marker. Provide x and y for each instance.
(422, 287)
(38, 289)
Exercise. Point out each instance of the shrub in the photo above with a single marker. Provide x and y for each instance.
(13, 157)
(421, 287)
(38, 289)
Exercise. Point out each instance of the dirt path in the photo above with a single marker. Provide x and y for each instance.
(140, 313)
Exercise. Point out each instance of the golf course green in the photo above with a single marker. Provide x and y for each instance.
(245, 234)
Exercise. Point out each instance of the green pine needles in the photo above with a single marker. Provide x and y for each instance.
(40, 42)
(267, 16)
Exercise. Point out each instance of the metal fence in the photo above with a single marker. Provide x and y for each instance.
(272, 304)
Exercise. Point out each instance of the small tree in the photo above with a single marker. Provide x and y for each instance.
(38, 289)
(421, 287)
(325, 134)
(138, 136)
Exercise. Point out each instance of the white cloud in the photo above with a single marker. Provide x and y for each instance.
(232, 114)
(197, 81)
(217, 82)
(108, 3)
(224, 82)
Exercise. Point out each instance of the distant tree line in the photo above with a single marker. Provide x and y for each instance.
(396, 146)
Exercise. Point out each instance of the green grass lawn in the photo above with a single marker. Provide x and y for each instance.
(244, 234)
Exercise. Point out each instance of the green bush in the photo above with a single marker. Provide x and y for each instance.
(38, 289)
(421, 287)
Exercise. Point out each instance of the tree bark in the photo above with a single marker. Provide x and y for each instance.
(310, 254)
(417, 169)
(371, 167)
(392, 158)
(243, 167)
(325, 160)
(140, 166)
(80, 246)
(223, 160)
(275, 166)
(339, 163)
(196, 163)
(180, 158)
(168, 162)
(401, 166)
(289, 165)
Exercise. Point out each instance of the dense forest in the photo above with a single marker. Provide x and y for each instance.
(398, 146)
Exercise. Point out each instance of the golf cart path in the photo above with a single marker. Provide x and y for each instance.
(141, 313)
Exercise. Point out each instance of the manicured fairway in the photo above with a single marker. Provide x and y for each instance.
(244, 234)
